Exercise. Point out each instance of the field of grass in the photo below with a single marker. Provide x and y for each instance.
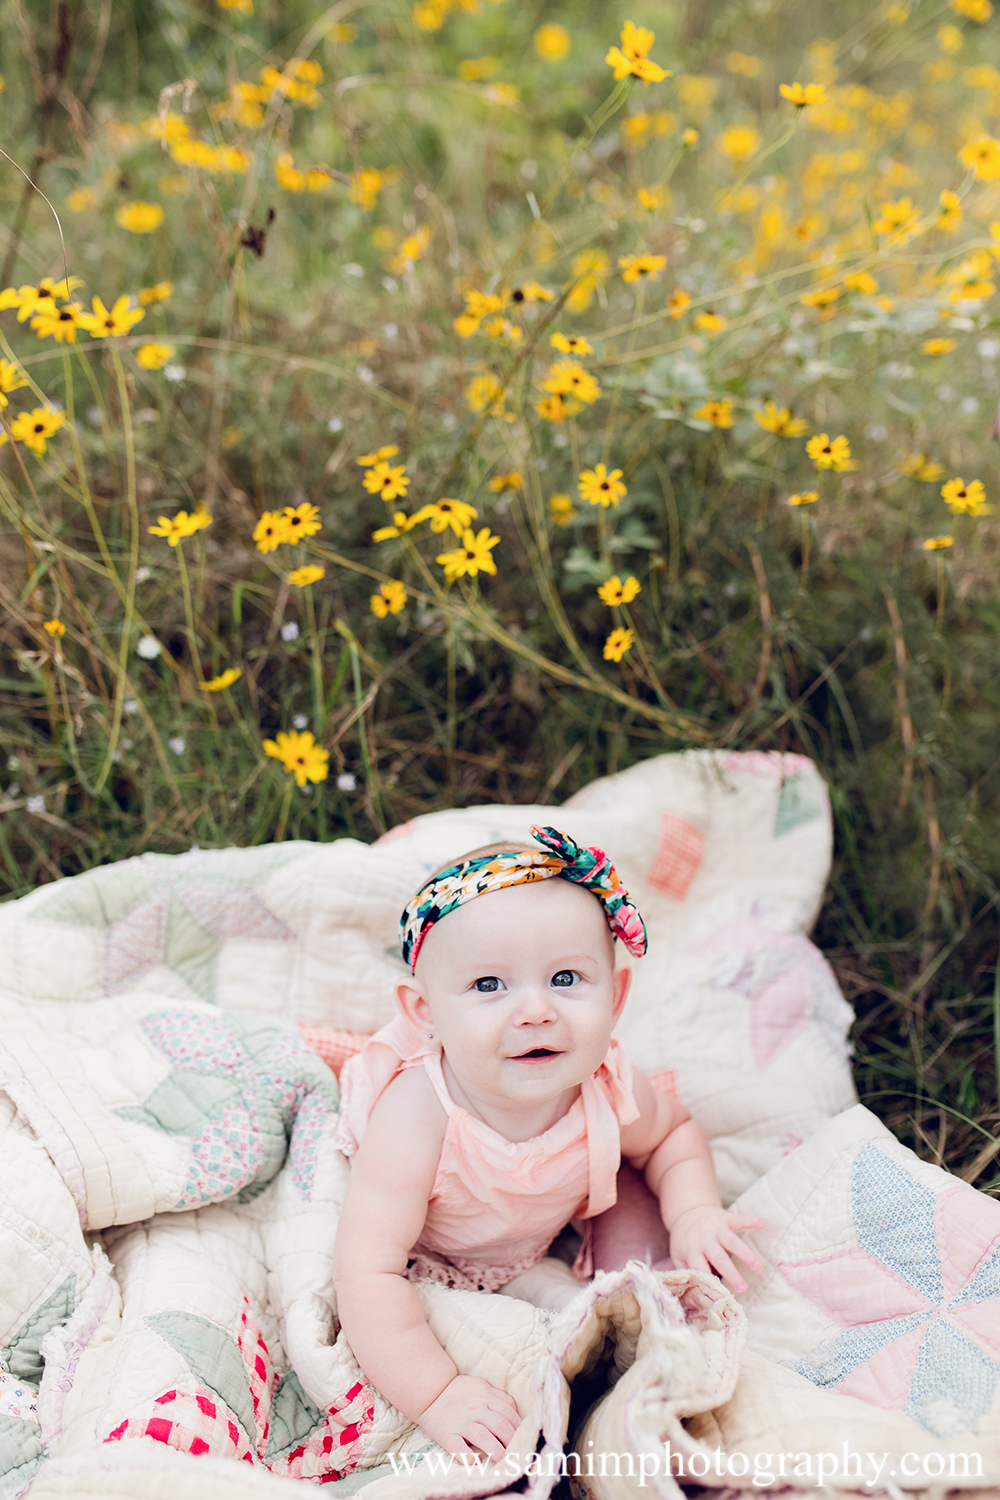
(685, 385)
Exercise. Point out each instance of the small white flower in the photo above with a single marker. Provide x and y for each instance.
(116, 756)
(969, 405)
(529, 169)
(174, 373)
(13, 762)
(289, 631)
(346, 782)
(143, 575)
(149, 647)
(130, 706)
(353, 269)
(14, 790)
(300, 721)
(36, 804)
(944, 393)
(449, 421)
(389, 284)
(541, 464)
(94, 416)
(390, 330)
(875, 432)
(988, 348)
(335, 424)
(366, 376)
(177, 744)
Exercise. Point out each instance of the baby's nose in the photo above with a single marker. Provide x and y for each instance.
(535, 1008)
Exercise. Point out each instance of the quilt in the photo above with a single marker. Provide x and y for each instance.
(169, 1193)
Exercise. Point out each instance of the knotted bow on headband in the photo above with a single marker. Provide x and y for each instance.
(492, 872)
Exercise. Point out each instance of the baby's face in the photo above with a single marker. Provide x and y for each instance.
(520, 988)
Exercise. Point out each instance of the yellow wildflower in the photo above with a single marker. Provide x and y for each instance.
(739, 143)
(225, 679)
(962, 498)
(243, 8)
(175, 528)
(780, 421)
(387, 481)
(531, 291)
(614, 592)
(652, 198)
(80, 199)
(271, 531)
(309, 573)
(59, 323)
(34, 428)
(552, 42)
(11, 379)
(634, 267)
(457, 514)
(677, 302)
(806, 497)
(709, 322)
(104, 324)
(802, 94)
(54, 627)
(919, 466)
(303, 520)
(471, 558)
(822, 297)
(602, 488)
(37, 299)
(561, 509)
(570, 343)
(485, 393)
(976, 10)
(984, 155)
(300, 755)
(379, 456)
(556, 408)
(690, 136)
(827, 453)
(154, 356)
(412, 248)
(589, 269)
(501, 482)
(862, 282)
(898, 219)
(158, 293)
(630, 58)
(401, 523)
(289, 177)
(475, 69)
(938, 346)
(140, 218)
(935, 543)
(389, 600)
(743, 63)
(719, 413)
(617, 643)
(566, 378)
(950, 215)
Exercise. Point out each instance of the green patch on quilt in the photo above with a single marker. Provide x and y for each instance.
(293, 1417)
(213, 1357)
(21, 1453)
(183, 1103)
(21, 1355)
(799, 801)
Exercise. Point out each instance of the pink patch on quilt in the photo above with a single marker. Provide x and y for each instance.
(780, 1011)
(853, 1287)
(399, 832)
(230, 912)
(135, 943)
(678, 857)
(884, 1379)
(774, 764)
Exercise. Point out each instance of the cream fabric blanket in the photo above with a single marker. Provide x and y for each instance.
(169, 1195)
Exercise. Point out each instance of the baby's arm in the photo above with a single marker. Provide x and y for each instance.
(673, 1152)
(384, 1211)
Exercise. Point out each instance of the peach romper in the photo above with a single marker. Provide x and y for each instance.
(496, 1205)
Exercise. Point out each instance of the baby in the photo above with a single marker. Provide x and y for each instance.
(496, 1108)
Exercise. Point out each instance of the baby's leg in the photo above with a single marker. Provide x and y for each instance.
(632, 1229)
(549, 1284)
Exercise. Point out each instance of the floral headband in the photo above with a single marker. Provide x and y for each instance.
(493, 872)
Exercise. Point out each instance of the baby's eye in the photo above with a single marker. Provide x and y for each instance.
(565, 979)
(489, 985)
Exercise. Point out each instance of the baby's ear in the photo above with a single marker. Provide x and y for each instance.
(621, 979)
(413, 1005)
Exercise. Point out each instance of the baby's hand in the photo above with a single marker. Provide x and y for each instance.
(701, 1236)
(471, 1414)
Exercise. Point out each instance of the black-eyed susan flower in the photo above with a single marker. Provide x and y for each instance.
(588, 270)
(54, 627)
(630, 59)
(937, 347)
(677, 302)
(983, 155)
(271, 531)
(937, 543)
(301, 578)
(556, 408)
(719, 413)
(474, 556)
(501, 482)
(457, 514)
(35, 299)
(919, 466)
(485, 393)
(60, 323)
(709, 322)
(154, 356)
(823, 296)
(571, 343)
(965, 499)
(615, 592)
(388, 481)
(389, 600)
(158, 293)
(175, 528)
(829, 453)
(530, 291)
(566, 378)
(899, 219)
(949, 210)
(225, 679)
(401, 524)
(379, 456)
(618, 642)
(561, 509)
(34, 428)
(862, 282)
(602, 488)
(976, 10)
(804, 497)
(140, 218)
(802, 94)
(641, 267)
(300, 755)
(780, 421)
(104, 323)
(303, 520)
(652, 198)
(11, 379)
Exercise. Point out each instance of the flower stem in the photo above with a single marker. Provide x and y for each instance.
(286, 802)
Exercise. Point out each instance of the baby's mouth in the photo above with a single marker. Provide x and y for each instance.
(537, 1054)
